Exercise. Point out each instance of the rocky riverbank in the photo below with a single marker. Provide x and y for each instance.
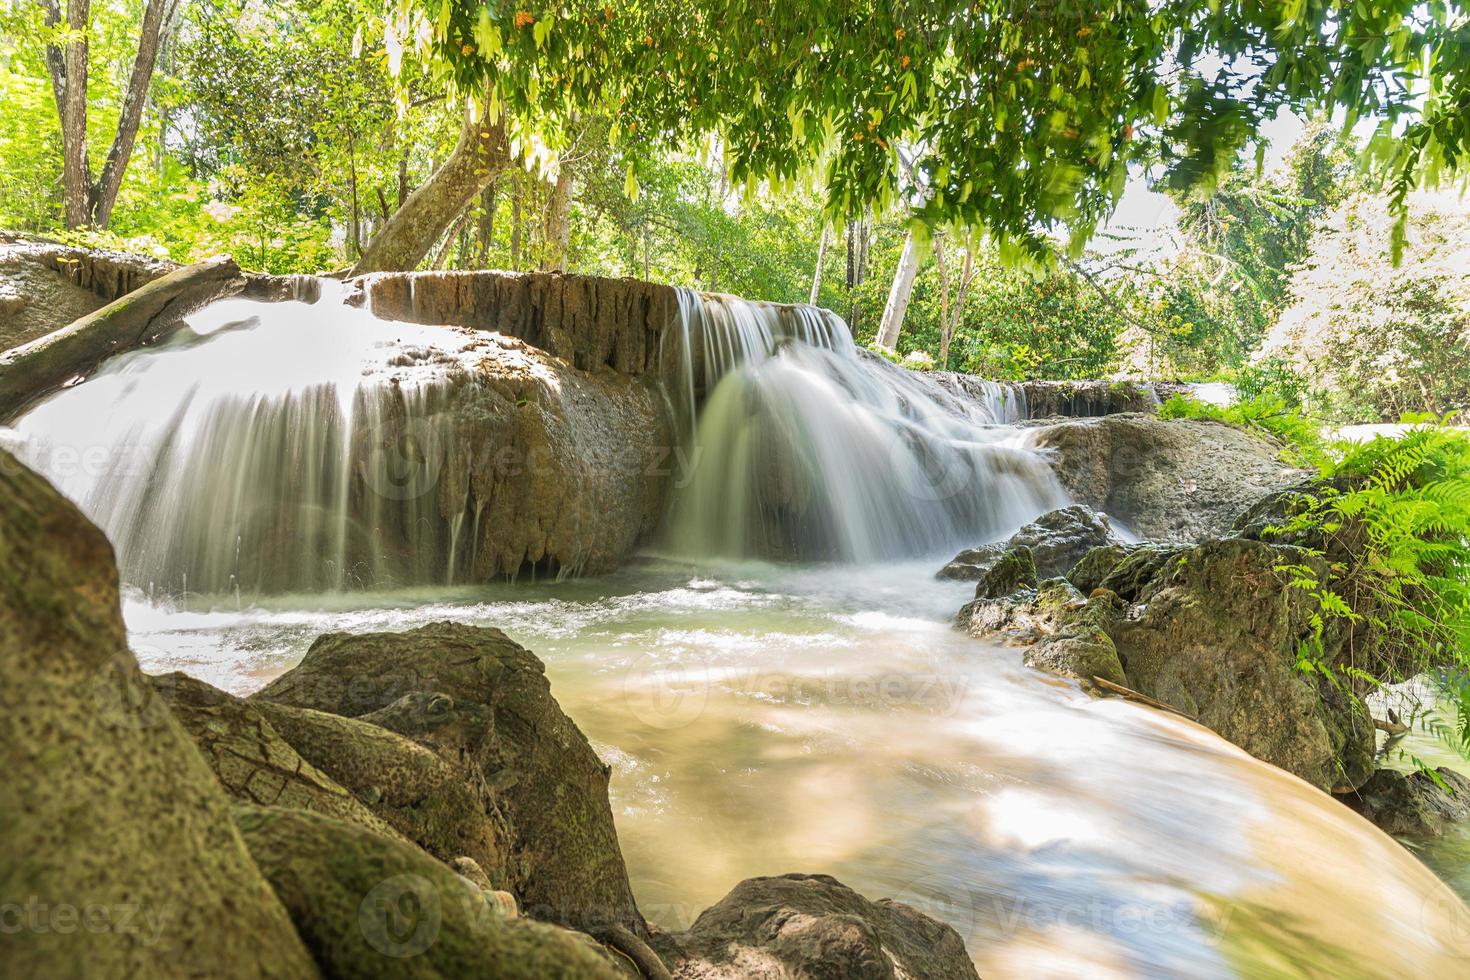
(410, 805)
(1212, 630)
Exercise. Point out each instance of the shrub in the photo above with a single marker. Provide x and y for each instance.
(1391, 518)
(1266, 414)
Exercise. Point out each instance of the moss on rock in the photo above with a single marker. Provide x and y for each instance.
(108, 808)
(482, 703)
(370, 906)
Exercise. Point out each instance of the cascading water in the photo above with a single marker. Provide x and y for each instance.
(267, 447)
(807, 448)
(281, 447)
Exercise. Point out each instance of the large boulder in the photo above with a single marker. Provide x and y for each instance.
(813, 927)
(1057, 540)
(499, 724)
(370, 906)
(117, 834)
(1168, 480)
(445, 808)
(1213, 631)
(549, 465)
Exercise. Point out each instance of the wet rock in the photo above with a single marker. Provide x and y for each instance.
(1078, 644)
(972, 563)
(501, 725)
(1176, 480)
(1023, 614)
(1413, 804)
(1014, 572)
(369, 906)
(252, 761)
(813, 926)
(1057, 540)
(1218, 639)
(1213, 631)
(550, 466)
(108, 808)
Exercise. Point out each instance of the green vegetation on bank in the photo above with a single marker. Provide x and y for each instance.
(1388, 520)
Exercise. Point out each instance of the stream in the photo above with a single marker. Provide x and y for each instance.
(763, 719)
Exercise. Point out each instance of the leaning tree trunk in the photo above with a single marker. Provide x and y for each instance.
(104, 194)
(480, 154)
(898, 294)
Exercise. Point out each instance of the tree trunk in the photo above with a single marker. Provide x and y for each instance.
(487, 223)
(68, 69)
(817, 273)
(418, 225)
(515, 226)
(557, 228)
(104, 195)
(898, 294)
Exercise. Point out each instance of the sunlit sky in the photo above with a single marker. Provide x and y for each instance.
(1145, 219)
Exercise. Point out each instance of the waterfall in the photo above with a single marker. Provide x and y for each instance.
(803, 447)
(311, 446)
(266, 447)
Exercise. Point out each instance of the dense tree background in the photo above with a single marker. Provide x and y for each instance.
(739, 148)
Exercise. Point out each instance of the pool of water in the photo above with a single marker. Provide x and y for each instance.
(761, 720)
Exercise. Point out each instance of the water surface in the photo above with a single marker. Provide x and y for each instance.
(766, 719)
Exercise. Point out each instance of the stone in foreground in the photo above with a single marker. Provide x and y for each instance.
(369, 906)
(482, 704)
(115, 829)
(813, 926)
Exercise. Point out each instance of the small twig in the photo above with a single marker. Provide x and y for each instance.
(1140, 697)
(1394, 728)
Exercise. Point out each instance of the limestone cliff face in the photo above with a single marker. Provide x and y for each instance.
(587, 321)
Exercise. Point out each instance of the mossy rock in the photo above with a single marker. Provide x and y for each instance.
(253, 763)
(1014, 572)
(370, 906)
(444, 808)
(482, 703)
(114, 825)
(1095, 566)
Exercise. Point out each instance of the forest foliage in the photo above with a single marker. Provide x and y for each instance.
(781, 157)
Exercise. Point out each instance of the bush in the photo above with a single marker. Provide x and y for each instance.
(1391, 517)
(1265, 414)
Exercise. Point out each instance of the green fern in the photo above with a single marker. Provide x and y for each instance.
(1392, 520)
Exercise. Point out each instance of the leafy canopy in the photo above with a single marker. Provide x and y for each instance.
(1016, 118)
